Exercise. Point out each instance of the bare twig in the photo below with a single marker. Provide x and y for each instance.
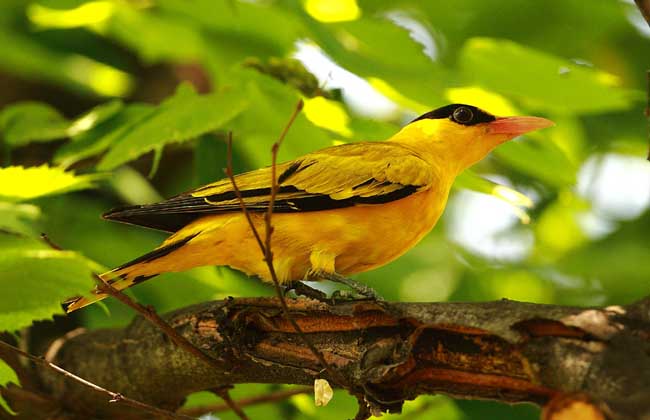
(245, 402)
(224, 394)
(244, 209)
(265, 246)
(49, 242)
(115, 397)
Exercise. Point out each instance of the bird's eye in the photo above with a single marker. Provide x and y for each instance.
(462, 115)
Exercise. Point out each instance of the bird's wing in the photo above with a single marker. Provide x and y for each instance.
(335, 177)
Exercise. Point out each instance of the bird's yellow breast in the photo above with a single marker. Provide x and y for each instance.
(383, 233)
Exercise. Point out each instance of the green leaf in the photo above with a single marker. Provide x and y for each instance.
(183, 116)
(26, 122)
(615, 261)
(19, 183)
(236, 30)
(103, 135)
(34, 282)
(7, 375)
(255, 132)
(154, 36)
(95, 116)
(540, 158)
(18, 218)
(361, 47)
(24, 56)
(542, 81)
(471, 181)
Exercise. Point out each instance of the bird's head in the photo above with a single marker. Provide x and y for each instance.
(461, 135)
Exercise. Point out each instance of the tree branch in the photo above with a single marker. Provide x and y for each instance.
(505, 350)
(112, 397)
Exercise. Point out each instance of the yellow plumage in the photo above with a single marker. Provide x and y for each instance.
(344, 209)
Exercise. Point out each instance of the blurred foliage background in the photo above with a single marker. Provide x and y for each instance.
(109, 102)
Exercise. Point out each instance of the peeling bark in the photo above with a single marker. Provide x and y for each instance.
(389, 352)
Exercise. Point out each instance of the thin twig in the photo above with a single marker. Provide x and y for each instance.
(49, 242)
(150, 315)
(245, 402)
(265, 246)
(115, 397)
(224, 394)
(240, 198)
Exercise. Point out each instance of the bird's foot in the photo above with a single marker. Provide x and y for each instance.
(303, 290)
(364, 291)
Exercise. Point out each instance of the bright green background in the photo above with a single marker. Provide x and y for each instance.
(99, 104)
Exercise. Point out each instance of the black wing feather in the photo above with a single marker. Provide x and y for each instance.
(175, 213)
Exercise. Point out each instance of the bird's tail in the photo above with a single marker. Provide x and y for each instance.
(125, 276)
(119, 279)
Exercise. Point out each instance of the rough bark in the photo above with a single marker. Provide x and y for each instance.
(389, 352)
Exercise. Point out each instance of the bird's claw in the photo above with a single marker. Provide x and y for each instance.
(302, 289)
(361, 291)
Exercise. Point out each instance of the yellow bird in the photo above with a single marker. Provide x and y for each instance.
(338, 211)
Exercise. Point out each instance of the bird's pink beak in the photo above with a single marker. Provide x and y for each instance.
(516, 126)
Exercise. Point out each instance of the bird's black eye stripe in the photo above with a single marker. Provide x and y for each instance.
(459, 113)
(462, 115)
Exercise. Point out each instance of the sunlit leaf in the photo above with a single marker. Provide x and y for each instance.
(328, 114)
(255, 132)
(94, 117)
(484, 99)
(7, 375)
(18, 183)
(468, 179)
(88, 14)
(517, 200)
(183, 116)
(540, 80)
(376, 48)
(333, 10)
(394, 95)
(23, 56)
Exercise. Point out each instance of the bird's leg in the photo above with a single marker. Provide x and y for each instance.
(302, 289)
(360, 288)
